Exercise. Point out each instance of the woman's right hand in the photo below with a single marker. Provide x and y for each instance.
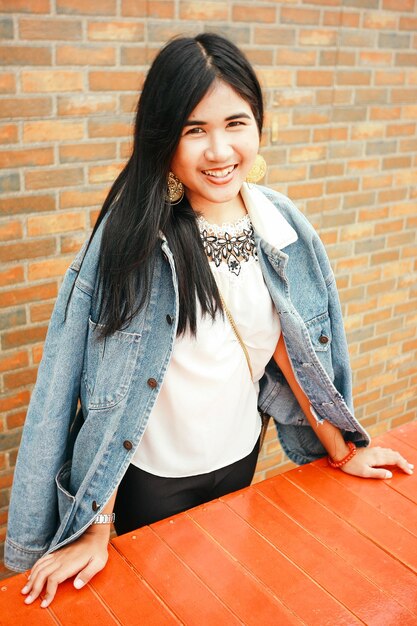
(82, 558)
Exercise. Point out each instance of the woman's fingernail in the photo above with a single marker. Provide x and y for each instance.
(28, 600)
(411, 465)
(25, 589)
(388, 475)
(44, 604)
(79, 583)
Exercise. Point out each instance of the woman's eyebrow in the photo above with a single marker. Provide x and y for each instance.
(235, 116)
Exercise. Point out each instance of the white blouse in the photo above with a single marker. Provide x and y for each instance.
(205, 416)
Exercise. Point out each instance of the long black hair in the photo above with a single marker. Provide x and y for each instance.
(137, 205)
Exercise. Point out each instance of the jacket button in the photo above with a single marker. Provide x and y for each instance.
(152, 383)
(95, 506)
(127, 444)
(170, 319)
(323, 339)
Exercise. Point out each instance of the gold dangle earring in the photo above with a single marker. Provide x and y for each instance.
(257, 171)
(175, 192)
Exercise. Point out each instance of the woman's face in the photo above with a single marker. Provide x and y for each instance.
(217, 148)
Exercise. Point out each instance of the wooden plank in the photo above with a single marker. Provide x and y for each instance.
(13, 610)
(246, 597)
(280, 575)
(122, 590)
(407, 433)
(381, 529)
(350, 587)
(404, 484)
(361, 553)
(185, 594)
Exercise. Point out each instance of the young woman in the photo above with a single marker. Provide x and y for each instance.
(199, 298)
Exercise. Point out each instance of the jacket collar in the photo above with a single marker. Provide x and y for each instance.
(267, 220)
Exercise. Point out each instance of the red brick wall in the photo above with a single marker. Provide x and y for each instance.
(340, 81)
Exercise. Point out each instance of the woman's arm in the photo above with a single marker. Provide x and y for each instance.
(366, 459)
(82, 558)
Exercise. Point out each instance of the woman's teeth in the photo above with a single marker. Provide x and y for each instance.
(219, 173)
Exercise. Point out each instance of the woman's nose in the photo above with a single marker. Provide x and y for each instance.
(219, 150)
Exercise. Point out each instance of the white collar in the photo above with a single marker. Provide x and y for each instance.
(268, 222)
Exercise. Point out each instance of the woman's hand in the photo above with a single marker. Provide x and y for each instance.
(83, 557)
(367, 463)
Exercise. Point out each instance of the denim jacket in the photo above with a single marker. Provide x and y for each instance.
(70, 461)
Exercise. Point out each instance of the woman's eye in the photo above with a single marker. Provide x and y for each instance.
(194, 131)
(236, 123)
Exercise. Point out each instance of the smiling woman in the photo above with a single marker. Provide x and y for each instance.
(199, 303)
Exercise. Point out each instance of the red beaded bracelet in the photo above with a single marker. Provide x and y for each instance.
(350, 455)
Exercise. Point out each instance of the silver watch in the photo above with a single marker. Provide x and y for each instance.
(104, 518)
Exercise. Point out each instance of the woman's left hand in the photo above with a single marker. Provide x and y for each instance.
(367, 463)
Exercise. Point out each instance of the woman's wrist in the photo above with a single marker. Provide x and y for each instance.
(337, 463)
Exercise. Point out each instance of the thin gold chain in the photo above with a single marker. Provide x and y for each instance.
(235, 330)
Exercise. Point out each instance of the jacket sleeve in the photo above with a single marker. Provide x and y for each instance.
(34, 506)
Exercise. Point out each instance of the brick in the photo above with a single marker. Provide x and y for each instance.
(357, 39)
(162, 32)
(20, 379)
(372, 58)
(371, 96)
(407, 177)
(6, 28)
(335, 96)
(258, 56)
(62, 177)
(310, 190)
(393, 40)
(319, 37)
(15, 420)
(21, 158)
(290, 97)
(26, 204)
(307, 153)
(337, 57)
(330, 134)
(283, 174)
(9, 183)
(115, 81)
(394, 130)
(342, 186)
(293, 136)
(377, 181)
(23, 295)
(71, 153)
(54, 29)
(286, 56)
(363, 165)
(57, 130)
(83, 105)
(163, 9)
(275, 77)
(136, 55)
(348, 77)
(11, 276)
(42, 81)
(290, 15)
(25, 55)
(324, 170)
(408, 23)
(385, 113)
(341, 18)
(85, 55)
(23, 337)
(274, 36)
(134, 8)
(92, 7)
(55, 223)
(258, 13)
(314, 116)
(72, 243)
(104, 173)
(116, 31)
(10, 319)
(367, 131)
(11, 230)
(11, 440)
(82, 198)
(41, 312)
(7, 83)
(109, 128)
(24, 6)
(128, 103)
(48, 268)
(314, 78)
(216, 11)
(25, 107)
(373, 213)
(398, 5)
(8, 133)
(37, 352)
(380, 147)
(379, 20)
(343, 150)
(406, 58)
(26, 249)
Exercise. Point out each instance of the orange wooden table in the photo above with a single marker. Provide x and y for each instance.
(311, 546)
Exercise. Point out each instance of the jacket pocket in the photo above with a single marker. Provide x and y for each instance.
(320, 332)
(109, 365)
(65, 499)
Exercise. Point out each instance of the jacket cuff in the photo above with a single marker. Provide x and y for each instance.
(19, 559)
